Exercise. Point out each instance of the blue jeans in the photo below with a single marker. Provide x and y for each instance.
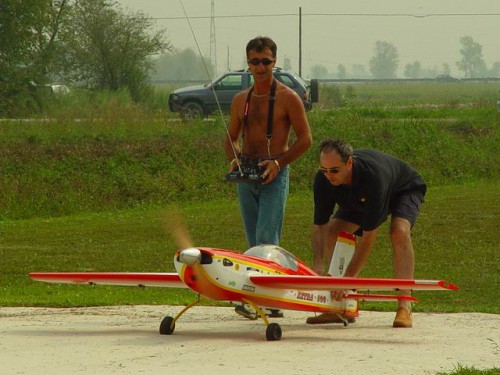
(262, 209)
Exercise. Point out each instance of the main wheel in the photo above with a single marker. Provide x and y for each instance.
(273, 332)
(192, 110)
(167, 326)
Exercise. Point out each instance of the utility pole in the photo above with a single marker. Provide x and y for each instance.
(213, 42)
(300, 41)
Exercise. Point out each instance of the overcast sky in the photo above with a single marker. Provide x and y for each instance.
(333, 31)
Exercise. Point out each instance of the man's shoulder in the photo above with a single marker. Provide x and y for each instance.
(287, 98)
(240, 97)
(367, 151)
(285, 91)
(242, 94)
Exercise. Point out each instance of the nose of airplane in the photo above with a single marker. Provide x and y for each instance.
(190, 256)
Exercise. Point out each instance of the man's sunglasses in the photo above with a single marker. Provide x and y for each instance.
(265, 61)
(333, 170)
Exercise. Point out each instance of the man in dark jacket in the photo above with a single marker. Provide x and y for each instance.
(367, 186)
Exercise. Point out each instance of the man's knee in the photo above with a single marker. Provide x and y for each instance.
(400, 231)
(336, 226)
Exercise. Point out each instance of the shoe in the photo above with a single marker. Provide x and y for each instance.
(274, 313)
(403, 318)
(329, 318)
(241, 310)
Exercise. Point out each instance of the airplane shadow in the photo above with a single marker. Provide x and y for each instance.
(247, 332)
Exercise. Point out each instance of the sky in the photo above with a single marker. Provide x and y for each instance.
(333, 31)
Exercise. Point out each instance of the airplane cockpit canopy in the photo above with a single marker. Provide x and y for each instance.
(276, 254)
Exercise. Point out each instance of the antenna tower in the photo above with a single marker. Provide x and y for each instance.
(213, 42)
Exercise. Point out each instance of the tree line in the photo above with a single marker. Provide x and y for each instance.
(97, 45)
(89, 43)
(385, 63)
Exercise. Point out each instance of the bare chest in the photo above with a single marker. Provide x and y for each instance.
(259, 128)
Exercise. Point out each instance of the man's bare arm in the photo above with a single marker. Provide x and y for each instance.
(231, 145)
(362, 252)
(319, 239)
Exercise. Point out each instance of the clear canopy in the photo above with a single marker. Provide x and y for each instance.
(274, 253)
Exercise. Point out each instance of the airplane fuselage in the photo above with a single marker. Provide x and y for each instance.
(225, 276)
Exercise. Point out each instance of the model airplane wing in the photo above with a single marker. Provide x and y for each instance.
(167, 280)
(332, 283)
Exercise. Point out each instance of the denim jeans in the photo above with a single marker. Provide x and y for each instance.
(262, 209)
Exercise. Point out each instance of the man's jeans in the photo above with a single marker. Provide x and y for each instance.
(263, 208)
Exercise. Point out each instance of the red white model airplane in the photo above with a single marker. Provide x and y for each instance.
(264, 276)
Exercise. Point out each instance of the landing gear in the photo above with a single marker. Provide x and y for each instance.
(167, 326)
(273, 332)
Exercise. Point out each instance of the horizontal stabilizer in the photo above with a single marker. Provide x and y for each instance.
(380, 297)
(166, 280)
(335, 283)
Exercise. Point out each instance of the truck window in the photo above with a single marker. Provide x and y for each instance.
(230, 82)
(285, 80)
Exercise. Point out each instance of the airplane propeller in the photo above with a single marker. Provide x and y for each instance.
(176, 227)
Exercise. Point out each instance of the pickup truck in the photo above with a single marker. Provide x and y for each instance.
(200, 101)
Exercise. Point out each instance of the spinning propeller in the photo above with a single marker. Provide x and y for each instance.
(176, 227)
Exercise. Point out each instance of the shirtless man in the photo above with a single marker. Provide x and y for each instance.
(262, 204)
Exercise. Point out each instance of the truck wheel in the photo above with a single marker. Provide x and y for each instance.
(192, 110)
(314, 90)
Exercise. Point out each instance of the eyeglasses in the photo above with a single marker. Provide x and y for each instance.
(333, 170)
(265, 61)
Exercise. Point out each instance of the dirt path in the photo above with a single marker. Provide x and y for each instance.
(214, 340)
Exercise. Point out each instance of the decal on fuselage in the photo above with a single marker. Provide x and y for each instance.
(311, 297)
(248, 288)
(305, 296)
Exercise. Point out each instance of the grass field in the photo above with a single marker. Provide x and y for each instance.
(455, 239)
(83, 188)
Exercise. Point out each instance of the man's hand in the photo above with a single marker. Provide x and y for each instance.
(338, 294)
(319, 269)
(233, 165)
(272, 168)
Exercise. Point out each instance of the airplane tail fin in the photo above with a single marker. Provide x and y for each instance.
(342, 254)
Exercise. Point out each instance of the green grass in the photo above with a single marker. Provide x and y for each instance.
(454, 239)
(64, 167)
(426, 94)
(83, 190)
(460, 370)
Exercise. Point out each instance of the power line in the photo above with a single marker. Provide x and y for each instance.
(337, 15)
(403, 14)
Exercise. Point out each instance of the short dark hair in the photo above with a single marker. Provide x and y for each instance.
(343, 148)
(260, 43)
